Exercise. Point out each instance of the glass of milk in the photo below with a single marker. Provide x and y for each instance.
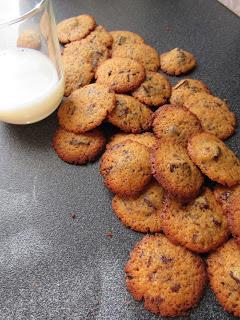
(31, 74)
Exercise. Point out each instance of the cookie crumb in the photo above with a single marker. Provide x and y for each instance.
(72, 215)
(109, 234)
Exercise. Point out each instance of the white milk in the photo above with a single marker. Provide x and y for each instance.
(30, 89)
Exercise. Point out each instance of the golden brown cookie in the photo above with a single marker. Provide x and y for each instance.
(86, 108)
(185, 88)
(177, 61)
(141, 52)
(120, 74)
(175, 122)
(214, 159)
(77, 74)
(29, 39)
(99, 35)
(78, 148)
(126, 168)
(213, 113)
(169, 278)
(147, 139)
(224, 195)
(233, 215)
(199, 225)
(130, 115)
(142, 213)
(86, 52)
(154, 91)
(224, 276)
(75, 28)
(175, 171)
(121, 38)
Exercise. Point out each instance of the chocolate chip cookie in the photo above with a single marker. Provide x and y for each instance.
(86, 108)
(130, 115)
(175, 171)
(78, 148)
(99, 35)
(214, 159)
(147, 139)
(120, 74)
(142, 213)
(175, 122)
(224, 276)
(126, 168)
(167, 277)
(177, 61)
(154, 91)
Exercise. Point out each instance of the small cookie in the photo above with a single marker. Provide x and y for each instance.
(99, 35)
(169, 278)
(75, 28)
(76, 74)
(86, 108)
(185, 88)
(126, 168)
(78, 148)
(199, 226)
(147, 139)
(84, 52)
(120, 74)
(29, 39)
(177, 61)
(224, 276)
(125, 37)
(175, 171)
(213, 113)
(154, 91)
(142, 213)
(175, 122)
(224, 195)
(141, 52)
(214, 159)
(130, 115)
(233, 215)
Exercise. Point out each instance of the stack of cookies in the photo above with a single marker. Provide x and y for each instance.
(170, 171)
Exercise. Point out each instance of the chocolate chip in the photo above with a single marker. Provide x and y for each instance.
(129, 277)
(217, 154)
(149, 203)
(71, 110)
(121, 40)
(225, 195)
(109, 73)
(75, 142)
(165, 259)
(173, 167)
(128, 77)
(176, 287)
(216, 222)
(202, 203)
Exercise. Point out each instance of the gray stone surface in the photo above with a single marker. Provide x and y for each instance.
(52, 266)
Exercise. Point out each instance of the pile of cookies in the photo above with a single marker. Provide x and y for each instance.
(170, 171)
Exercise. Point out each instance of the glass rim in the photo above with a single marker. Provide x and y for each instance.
(38, 7)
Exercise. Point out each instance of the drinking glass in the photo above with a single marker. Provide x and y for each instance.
(31, 78)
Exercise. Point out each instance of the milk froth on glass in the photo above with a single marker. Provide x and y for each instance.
(31, 79)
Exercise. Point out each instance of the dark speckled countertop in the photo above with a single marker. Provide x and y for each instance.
(55, 267)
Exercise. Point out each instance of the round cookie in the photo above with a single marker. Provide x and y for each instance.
(213, 113)
(130, 115)
(29, 39)
(185, 88)
(169, 278)
(120, 74)
(224, 276)
(233, 215)
(141, 213)
(86, 52)
(76, 74)
(175, 122)
(154, 91)
(214, 159)
(199, 226)
(86, 108)
(147, 139)
(126, 168)
(125, 37)
(75, 28)
(223, 195)
(99, 35)
(141, 52)
(78, 148)
(175, 171)
(177, 61)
